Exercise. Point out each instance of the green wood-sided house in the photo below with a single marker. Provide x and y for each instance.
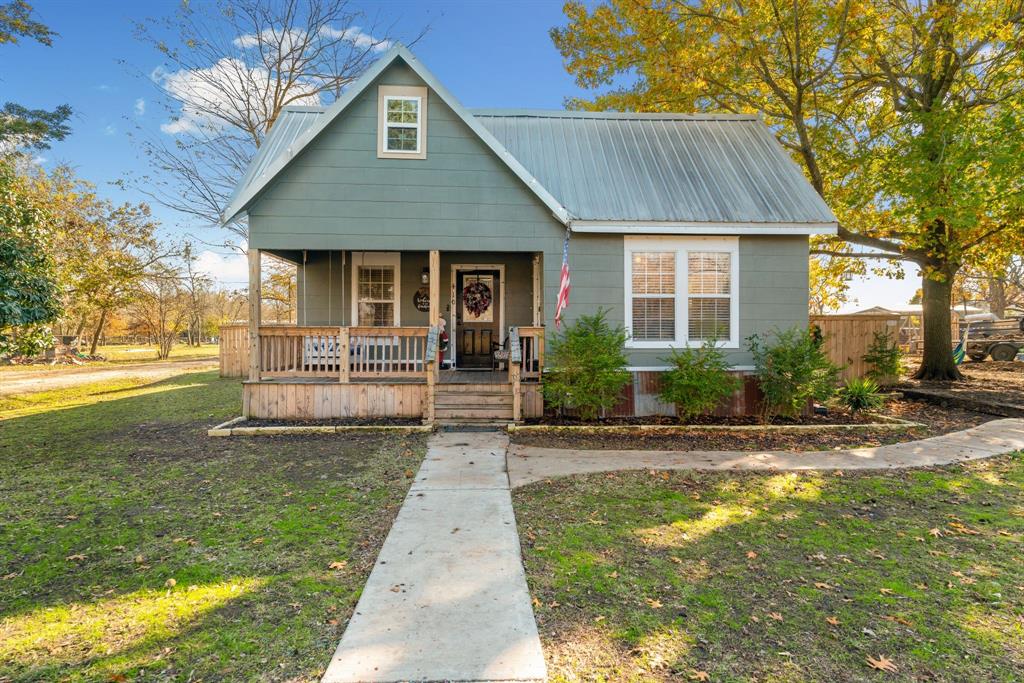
(402, 209)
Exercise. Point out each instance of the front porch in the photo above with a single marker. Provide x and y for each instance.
(318, 371)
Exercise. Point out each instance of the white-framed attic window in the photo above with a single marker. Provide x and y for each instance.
(401, 122)
(682, 291)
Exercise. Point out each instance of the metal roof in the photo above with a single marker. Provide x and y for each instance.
(291, 123)
(602, 171)
(685, 168)
(289, 144)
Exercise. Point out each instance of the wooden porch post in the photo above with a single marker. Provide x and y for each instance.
(255, 294)
(538, 302)
(435, 320)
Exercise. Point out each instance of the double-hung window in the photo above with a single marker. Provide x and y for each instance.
(376, 288)
(682, 291)
(402, 122)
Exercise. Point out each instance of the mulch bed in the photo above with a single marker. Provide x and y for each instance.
(832, 418)
(935, 420)
(993, 387)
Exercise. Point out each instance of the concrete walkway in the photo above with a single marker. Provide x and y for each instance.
(528, 464)
(447, 599)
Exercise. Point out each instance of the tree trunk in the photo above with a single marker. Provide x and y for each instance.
(80, 328)
(997, 296)
(937, 363)
(99, 331)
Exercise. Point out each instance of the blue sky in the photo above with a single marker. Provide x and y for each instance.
(489, 54)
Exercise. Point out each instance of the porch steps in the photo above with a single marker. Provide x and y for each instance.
(473, 403)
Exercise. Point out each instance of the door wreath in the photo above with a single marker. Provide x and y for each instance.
(476, 297)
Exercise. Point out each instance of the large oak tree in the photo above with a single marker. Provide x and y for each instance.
(906, 116)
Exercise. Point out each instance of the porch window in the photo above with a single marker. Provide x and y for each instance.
(682, 291)
(401, 120)
(376, 296)
(376, 288)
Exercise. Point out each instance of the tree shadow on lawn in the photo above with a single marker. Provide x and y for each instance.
(103, 504)
(659, 575)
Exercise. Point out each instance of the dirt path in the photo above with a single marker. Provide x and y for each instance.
(32, 381)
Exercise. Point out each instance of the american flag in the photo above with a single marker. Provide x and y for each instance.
(563, 286)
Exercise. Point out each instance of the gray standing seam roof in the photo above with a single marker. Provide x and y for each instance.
(659, 167)
(627, 167)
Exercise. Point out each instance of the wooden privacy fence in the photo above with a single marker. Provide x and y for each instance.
(847, 338)
(234, 350)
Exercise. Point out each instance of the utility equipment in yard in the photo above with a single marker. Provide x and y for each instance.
(1000, 340)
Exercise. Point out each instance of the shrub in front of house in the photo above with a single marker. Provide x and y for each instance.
(885, 358)
(698, 380)
(791, 369)
(586, 367)
(860, 393)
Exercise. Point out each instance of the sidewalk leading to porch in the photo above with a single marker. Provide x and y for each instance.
(447, 599)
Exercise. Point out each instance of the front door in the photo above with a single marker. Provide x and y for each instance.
(477, 324)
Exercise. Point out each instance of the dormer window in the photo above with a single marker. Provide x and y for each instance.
(402, 122)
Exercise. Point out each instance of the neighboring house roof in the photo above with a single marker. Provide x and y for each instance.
(916, 309)
(602, 172)
(660, 168)
(289, 143)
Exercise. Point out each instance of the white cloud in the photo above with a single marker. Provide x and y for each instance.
(228, 270)
(109, 130)
(206, 95)
(140, 107)
(355, 35)
(352, 34)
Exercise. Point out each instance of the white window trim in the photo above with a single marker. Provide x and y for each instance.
(680, 246)
(385, 93)
(376, 258)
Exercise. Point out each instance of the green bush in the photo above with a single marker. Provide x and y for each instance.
(791, 369)
(885, 358)
(699, 379)
(586, 366)
(860, 393)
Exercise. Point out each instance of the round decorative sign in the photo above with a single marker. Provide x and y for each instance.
(477, 297)
(421, 299)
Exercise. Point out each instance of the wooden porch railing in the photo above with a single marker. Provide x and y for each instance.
(300, 351)
(344, 353)
(371, 352)
(531, 340)
(387, 352)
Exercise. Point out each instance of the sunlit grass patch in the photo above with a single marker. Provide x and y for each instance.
(75, 632)
(111, 490)
(781, 577)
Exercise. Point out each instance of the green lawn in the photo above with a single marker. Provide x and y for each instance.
(134, 547)
(780, 577)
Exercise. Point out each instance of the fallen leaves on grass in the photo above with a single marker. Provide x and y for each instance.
(75, 558)
(696, 675)
(882, 663)
(751, 555)
(653, 604)
(338, 566)
(775, 615)
(832, 621)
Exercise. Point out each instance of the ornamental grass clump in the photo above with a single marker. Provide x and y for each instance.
(698, 380)
(885, 358)
(861, 393)
(586, 367)
(791, 369)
